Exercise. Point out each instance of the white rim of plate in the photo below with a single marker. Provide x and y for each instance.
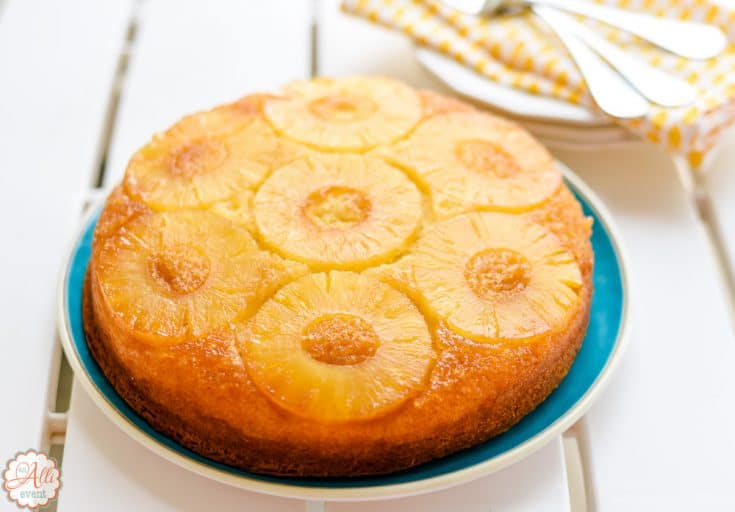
(432, 484)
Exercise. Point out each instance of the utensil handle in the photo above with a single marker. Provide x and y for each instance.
(612, 94)
(656, 85)
(686, 38)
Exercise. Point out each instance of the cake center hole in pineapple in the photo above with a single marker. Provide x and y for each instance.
(486, 157)
(337, 207)
(497, 271)
(340, 338)
(179, 272)
(197, 157)
(343, 108)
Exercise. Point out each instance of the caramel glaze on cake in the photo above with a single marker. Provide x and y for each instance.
(201, 280)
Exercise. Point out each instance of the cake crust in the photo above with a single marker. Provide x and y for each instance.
(200, 394)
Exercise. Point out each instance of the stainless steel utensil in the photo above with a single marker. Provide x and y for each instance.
(656, 85)
(613, 95)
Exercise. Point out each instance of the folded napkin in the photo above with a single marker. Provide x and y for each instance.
(521, 52)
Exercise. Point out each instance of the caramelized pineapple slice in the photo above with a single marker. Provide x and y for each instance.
(494, 277)
(338, 346)
(205, 158)
(343, 212)
(348, 114)
(476, 161)
(174, 276)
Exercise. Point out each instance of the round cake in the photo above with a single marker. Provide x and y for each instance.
(347, 277)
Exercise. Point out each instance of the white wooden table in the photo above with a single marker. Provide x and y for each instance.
(83, 83)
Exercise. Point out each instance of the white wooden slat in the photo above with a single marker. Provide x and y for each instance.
(192, 55)
(663, 435)
(104, 469)
(535, 483)
(56, 72)
(114, 463)
(187, 55)
(348, 45)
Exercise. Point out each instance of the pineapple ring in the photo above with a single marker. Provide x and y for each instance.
(338, 211)
(348, 114)
(170, 277)
(477, 161)
(338, 346)
(206, 158)
(495, 276)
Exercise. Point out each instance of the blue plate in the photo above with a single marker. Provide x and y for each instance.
(602, 346)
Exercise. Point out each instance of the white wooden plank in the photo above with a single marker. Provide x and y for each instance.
(57, 68)
(191, 55)
(104, 469)
(663, 436)
(188, 55)
(348, 45)
(535, 483)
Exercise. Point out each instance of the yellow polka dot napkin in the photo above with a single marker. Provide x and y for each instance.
(519, 51)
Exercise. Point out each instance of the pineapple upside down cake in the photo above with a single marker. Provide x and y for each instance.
(349, 277)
